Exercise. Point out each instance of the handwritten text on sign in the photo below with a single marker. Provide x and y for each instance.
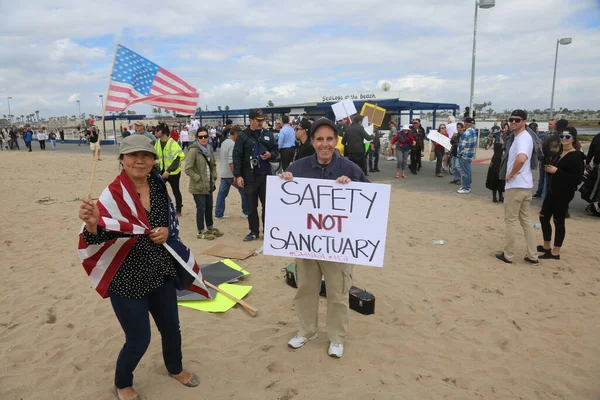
(323, 220)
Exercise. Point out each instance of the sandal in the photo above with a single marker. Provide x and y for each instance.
(397, 175)
(138, 397)
(193, 382)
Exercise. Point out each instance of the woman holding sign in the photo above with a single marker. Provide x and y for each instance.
(324, 164)
(439, 151)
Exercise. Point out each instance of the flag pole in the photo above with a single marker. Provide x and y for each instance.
(89, 196)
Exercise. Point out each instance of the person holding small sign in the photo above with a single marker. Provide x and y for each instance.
(325, 164)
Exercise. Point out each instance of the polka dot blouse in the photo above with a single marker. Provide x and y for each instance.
(147, 264)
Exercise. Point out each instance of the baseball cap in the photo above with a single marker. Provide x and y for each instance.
(469, 120)
(321, 122)
(406, 127)
(257, 113)
(134, 143)
(304, 124)
(570, 130)
(139, 123)
(519, 113)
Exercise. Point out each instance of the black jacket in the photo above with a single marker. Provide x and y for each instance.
(244, 149)
(569, 174)
(594, 151)
(353, 139)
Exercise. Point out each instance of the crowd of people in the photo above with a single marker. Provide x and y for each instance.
(306, 148)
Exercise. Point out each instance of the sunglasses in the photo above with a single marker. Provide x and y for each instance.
(511, 120)
(565, 136)
(203, 137)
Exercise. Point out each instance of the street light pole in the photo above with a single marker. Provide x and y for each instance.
(478, 4)
(563, 41)
(9, 113)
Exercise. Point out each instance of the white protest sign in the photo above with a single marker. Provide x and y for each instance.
(439, 138)
(323, 220)
(343, 109)
(365, 123)
(369, 130)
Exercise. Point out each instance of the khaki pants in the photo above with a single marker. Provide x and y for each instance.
(338, 279)
(517, 203)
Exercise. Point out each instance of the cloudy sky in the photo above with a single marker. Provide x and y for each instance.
(243, 53)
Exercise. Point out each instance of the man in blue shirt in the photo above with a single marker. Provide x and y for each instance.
(286, 141)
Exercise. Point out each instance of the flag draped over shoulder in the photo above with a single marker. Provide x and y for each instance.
(121, 211)
(136, 79)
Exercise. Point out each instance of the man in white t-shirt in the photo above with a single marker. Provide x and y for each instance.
(517, 196)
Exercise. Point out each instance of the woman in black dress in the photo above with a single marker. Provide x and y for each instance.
(565, 174)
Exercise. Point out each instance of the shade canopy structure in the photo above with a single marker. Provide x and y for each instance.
(318, 109)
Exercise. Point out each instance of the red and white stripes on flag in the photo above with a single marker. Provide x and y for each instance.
(121, 211)
(136, 79)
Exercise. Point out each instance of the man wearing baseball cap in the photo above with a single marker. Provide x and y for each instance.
(253, 150)
(328, 165)
(140, 129)
(466, 154)
(517, 197)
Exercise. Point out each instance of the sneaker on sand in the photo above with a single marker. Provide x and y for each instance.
(463, 191)
(223, 217)
(336, 350)
(502, 257)
(215, 232)
(251, 236)
(244, 215)
(298, 341)
(205, 235)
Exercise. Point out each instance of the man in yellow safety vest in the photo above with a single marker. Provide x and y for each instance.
(169, 161)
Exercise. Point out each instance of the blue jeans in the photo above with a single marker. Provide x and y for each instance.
(541, 190)
(204, 208)
(133, 315)
(465, 173)
(455, 168)
(223, 193)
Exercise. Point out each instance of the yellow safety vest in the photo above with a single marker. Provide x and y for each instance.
(171, 152)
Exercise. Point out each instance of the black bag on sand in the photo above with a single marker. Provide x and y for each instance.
(360, 300)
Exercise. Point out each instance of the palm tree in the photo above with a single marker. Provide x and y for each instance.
(226, 108)
(219, 108)
(270, 104)
(4, 116)
(168, 112)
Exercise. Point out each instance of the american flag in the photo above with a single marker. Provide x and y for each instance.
(121, 211)
(136, 79)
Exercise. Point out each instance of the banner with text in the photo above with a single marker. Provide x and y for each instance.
(323, 220)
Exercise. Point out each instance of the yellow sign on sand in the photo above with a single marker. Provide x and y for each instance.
(375, 113)
(221, 303)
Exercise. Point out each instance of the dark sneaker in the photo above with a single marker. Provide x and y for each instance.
(251, 236)
(531, 261)
(501, 257)
(541, 249)
(537, 195)
(549, 256)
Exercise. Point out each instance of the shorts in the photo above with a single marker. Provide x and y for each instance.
(95, 146)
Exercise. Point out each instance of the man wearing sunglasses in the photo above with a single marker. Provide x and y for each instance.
(253, 150)
(517, 197)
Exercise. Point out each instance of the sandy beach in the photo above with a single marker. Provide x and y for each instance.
(449, 323)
